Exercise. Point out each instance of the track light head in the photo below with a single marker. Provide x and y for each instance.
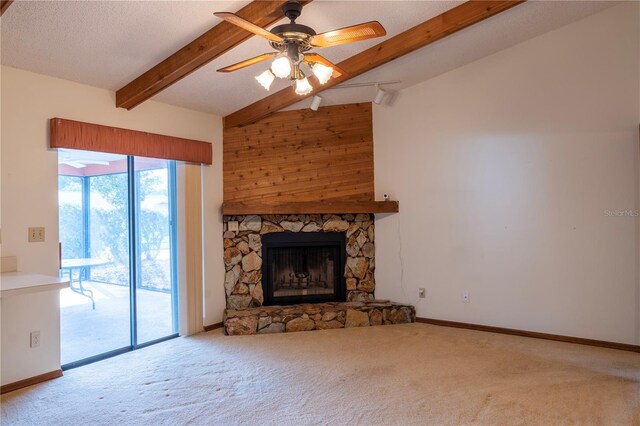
(380, 94)
(315, 102)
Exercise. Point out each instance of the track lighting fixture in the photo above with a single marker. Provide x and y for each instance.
(315, 102)
(380, 94)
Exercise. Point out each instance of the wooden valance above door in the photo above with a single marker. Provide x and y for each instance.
(95, 137)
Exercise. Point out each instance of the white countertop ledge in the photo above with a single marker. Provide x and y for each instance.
(17, 283)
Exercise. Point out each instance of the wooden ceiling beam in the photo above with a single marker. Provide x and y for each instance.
(4, 5)
(198, 53)
(434, 29)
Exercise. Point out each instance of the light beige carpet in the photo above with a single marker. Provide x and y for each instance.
(390, 375)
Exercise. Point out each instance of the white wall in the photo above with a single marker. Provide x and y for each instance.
(29, 168)
(504, 169)
(20, 315)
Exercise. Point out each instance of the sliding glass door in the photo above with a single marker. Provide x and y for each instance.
(156, 296)
(117, 234)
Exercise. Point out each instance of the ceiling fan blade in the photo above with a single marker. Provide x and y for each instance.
(314, 57)
(349, 34)
(248, 62)
(246, 25)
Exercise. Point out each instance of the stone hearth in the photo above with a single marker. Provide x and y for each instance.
(243, 253)
(316, 316)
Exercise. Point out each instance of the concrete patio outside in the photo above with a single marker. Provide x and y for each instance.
(86, 332)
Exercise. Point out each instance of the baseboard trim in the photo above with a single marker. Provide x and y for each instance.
(534, 334)
(213, 326)
(30, 381)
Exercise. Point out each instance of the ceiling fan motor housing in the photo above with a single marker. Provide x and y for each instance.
(292, 9)
(293, 34)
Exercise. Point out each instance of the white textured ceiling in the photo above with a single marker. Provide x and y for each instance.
(108, 43)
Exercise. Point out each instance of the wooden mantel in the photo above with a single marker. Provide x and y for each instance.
(308, 207)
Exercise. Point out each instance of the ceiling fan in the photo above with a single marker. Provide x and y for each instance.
(293, 42)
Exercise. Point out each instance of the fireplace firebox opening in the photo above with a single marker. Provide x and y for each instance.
(303, 267)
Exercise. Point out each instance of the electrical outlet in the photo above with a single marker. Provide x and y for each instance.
(465, 297)
(422, 293)
(233, 225)
(35, 339)
(36, 235)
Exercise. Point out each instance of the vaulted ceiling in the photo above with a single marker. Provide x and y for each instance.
(107, 44)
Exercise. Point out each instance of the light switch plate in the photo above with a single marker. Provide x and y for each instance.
(233, 225)
(36, 235)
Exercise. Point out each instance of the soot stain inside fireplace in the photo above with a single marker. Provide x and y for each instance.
(303, 267)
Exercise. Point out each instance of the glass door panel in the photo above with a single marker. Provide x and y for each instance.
(94, 235)
(156, 299)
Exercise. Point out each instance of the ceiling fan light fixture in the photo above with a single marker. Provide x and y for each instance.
(322, 72)
(281, 67)
(265, 79)
(303, 87)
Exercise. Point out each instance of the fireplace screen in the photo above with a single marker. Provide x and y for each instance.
(303, 268)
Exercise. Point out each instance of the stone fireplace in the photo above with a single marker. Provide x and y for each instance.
(301, 272)
(313, 258)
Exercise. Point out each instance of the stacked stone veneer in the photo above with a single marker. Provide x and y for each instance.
(243, 252)
(318, 316)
